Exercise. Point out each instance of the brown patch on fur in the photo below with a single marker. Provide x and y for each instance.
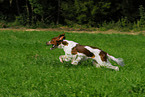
(56, 40)
(103, 56)
(93, 56)
(94, 47)
(80, 48)
(74, 50)
(65, 43)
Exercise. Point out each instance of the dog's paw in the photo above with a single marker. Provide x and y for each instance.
(60, 59)
(116, 68)
(74, 63)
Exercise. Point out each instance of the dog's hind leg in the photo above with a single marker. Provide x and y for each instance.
(95, 63)
(75, 59)
(78, 58)
(109, 65)
(106, 64)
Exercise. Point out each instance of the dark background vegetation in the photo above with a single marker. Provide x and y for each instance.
(104, 14)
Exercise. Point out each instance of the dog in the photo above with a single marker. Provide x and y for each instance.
(76, 53)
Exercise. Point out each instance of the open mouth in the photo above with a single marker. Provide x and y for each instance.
(53, 47)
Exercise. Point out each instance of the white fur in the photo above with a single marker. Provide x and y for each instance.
(75, 59)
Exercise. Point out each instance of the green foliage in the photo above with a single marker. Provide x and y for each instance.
(28, 67)
(37, 7)
(84, 12)
(120, 15)
(3, 17)
(142, 15)
(122, 25)
(21, 20)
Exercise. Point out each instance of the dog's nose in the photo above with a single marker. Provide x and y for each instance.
(48, 43)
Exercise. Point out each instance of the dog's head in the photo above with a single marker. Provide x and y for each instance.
(56, 41)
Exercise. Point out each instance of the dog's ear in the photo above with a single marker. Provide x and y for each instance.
(61, 37)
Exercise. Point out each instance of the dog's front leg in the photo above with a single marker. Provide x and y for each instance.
(61, 58)
(74, 62)
(64, 58)
(76, 59)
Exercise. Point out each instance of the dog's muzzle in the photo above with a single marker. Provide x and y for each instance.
(53, 46)
(48, 43)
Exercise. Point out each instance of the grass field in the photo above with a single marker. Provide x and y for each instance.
(29, 69)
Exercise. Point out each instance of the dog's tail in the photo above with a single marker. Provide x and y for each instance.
(119, 61)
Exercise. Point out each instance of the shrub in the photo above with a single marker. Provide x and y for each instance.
(142, 15)
(21, 20)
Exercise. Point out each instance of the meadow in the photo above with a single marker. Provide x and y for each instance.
(28, 68)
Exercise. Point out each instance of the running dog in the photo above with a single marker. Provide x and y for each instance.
(75, 53)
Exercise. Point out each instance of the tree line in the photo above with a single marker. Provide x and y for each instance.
(71, 12)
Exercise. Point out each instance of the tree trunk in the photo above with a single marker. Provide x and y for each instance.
(29, 12)
(18, 10)
(58, 12)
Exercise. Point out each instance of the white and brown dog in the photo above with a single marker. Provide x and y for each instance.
(75, 53)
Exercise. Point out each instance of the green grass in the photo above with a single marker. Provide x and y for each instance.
(29, 69)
